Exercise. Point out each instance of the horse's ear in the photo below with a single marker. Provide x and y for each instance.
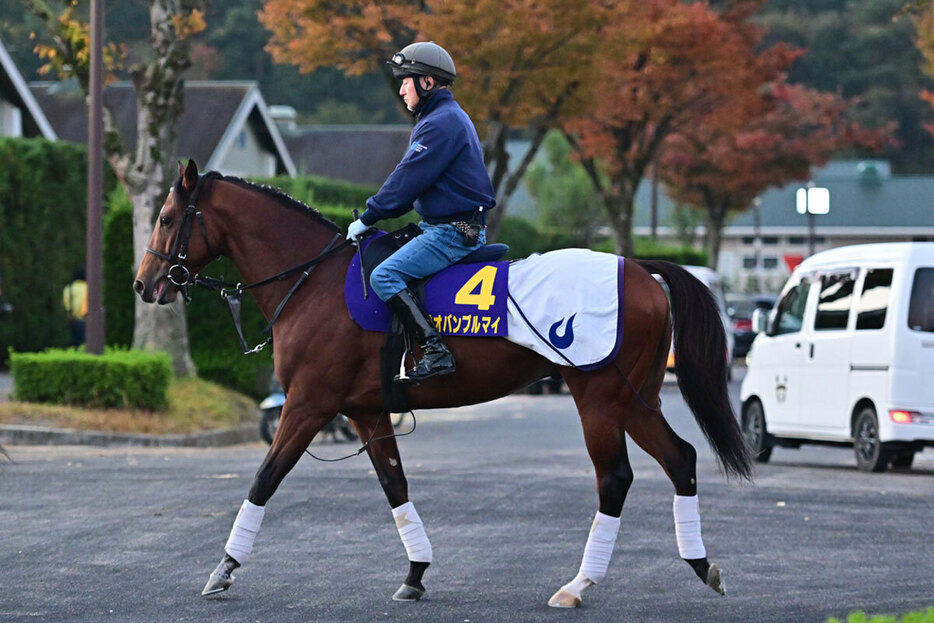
(181, 168)
(190, 177)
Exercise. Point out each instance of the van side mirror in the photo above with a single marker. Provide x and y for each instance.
(760, 320)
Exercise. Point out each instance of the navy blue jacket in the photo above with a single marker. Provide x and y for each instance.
(442, 175)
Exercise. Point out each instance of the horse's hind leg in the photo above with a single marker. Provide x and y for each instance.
(679, 460)
(384, 454)
(606, 444)
(292, 438)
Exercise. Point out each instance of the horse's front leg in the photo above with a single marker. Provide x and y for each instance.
(385, 457)
(297, 427)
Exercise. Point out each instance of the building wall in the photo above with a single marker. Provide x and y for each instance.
(11, 119)
(247, 157)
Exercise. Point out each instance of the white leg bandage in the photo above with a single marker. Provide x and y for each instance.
(412, 531)
(240, 543)
(597, 553)
(687, 528)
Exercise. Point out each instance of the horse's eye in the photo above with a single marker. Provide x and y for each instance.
(165, 221)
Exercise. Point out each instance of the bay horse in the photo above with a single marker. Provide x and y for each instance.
(328, 364)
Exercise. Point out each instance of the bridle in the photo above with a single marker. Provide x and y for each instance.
(181, 277)
(178, 274)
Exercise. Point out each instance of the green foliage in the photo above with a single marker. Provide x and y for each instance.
(524, 237)
(564, 193)
(118, 378)
(927, 616)
(42, 220)
(648, 250)
(119, 299)
(321, 191)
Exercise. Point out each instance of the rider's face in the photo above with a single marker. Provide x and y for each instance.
(408, 92)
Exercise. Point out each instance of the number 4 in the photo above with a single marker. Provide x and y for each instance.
(483, 299)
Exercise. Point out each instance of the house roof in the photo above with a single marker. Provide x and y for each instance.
(864, 198)
(362, 154)
(14, 89)
(214, 114)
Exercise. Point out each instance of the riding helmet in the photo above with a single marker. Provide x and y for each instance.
(425, 58)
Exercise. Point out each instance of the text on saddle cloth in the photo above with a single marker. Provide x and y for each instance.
(463, 299)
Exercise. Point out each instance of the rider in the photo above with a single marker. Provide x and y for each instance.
(443, 177)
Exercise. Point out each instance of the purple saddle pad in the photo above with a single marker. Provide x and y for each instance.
(462, 299)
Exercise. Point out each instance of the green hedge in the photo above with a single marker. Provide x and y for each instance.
(43, 214)
(321, 191)
(119, 298)
(118, 378)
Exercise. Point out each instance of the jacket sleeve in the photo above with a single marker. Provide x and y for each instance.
(431, 151)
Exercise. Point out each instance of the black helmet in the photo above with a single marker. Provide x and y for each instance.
(425, 58)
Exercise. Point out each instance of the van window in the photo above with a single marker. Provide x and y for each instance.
(921, 307)
(789, 313)
(874, 300)
(836, 295)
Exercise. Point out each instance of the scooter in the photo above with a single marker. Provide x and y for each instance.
(339, 428)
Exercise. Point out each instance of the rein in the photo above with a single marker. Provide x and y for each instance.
(181, 277)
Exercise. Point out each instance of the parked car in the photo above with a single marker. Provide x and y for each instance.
(712, 280)
(739, 308)
(846, 356)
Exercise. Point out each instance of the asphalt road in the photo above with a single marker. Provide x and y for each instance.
(507, 494)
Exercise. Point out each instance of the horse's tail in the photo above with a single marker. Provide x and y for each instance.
(701, 364)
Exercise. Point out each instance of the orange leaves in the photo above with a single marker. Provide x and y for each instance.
(515, 58)
(188, 25)
(70, 54)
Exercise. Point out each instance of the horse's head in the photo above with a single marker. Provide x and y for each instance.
(176, 251)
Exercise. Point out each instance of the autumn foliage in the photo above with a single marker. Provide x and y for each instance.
(719, 170)
(618, 78)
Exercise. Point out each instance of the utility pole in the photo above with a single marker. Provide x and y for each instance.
(94, 245)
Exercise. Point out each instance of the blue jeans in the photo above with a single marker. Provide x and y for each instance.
(436, 249)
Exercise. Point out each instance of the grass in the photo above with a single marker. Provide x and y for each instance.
(927, 616)
(194, 405)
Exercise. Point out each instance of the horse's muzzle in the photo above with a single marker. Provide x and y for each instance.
(162, 292)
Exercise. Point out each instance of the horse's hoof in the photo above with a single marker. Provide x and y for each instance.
(715, 579)
(408, 593)
(564, 599)
(221, 578)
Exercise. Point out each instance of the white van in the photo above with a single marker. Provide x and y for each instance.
(846, 356)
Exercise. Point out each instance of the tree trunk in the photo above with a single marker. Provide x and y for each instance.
(618, 204)
(158, 87)
(157, 327)
(715, 217)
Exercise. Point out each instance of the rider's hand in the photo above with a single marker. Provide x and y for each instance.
(356, 228)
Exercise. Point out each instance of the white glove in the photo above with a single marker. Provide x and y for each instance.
(356, 228)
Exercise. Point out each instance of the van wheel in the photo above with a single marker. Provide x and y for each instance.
(871, 454)
(757, 437)
(903, 459)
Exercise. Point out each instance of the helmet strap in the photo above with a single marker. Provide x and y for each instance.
(423, 94)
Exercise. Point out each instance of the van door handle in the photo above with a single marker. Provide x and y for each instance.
(812, 351)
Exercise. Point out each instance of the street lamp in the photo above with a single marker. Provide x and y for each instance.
(757, 242)
(812, 200)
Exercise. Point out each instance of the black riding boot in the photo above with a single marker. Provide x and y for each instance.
(436, 358)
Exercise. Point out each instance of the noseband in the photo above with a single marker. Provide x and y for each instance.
(178, 274)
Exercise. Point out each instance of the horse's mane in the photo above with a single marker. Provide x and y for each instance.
(208, 179)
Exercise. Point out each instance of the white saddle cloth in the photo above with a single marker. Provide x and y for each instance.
(565, 306)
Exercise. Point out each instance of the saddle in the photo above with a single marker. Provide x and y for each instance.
(377, 246)
(380, 246)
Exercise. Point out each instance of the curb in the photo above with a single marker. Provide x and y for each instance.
(48, 436)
